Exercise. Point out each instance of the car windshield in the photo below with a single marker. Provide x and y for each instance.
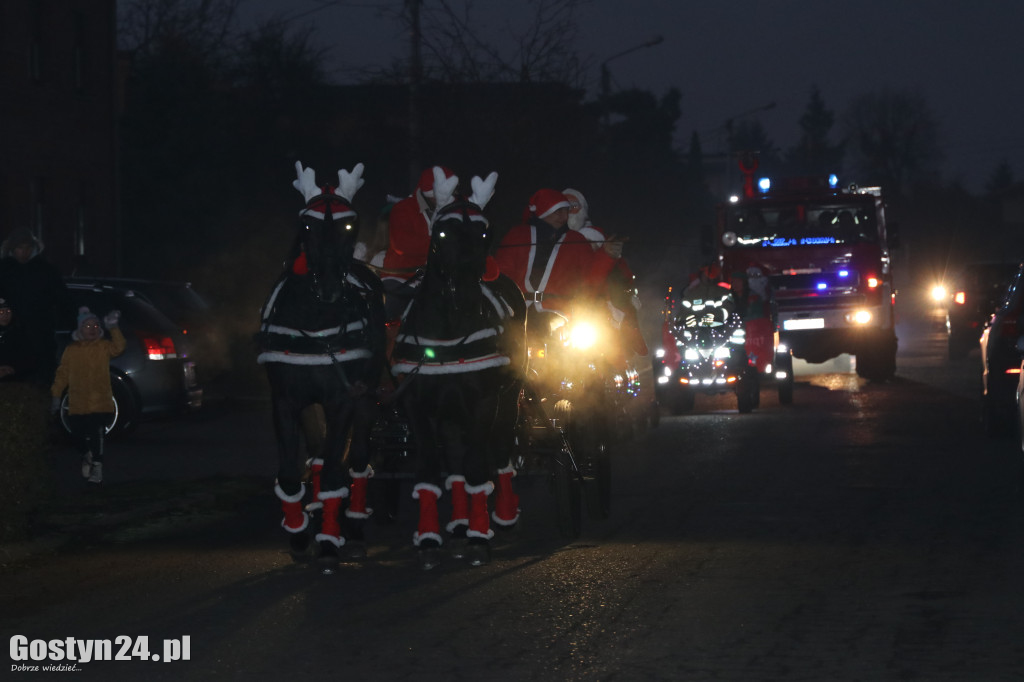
(806, 224)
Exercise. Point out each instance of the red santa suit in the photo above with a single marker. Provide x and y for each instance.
(409, 230)
(572, 269)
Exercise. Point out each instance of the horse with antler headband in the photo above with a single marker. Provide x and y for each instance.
(461, 348)
(322, 341)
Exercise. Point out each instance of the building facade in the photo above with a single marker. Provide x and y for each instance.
(58, 139)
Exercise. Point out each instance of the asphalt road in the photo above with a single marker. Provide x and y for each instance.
(867, 532)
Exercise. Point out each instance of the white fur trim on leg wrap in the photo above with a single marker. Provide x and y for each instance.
(304, 526)
(358, 515)
(366, 473)
(451, 480)
(505, 522)
(417, 538)
(477, 534)
(452, 525)
(486, 487)
(284, 497)
(508, 470)
(331, 494)
(425, 486)
(334, 540)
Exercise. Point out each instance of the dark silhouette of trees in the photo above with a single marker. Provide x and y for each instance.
(813, 153)
(893, 140)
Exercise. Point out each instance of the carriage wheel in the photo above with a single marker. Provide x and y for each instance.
(565, 480)
(593, 455)
(568, 501)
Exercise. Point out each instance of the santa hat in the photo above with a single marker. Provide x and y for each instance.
(426, 183)
(544, 202)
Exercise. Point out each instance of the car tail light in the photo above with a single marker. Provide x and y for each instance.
(873, 282)
(159, 347)
(960, 298)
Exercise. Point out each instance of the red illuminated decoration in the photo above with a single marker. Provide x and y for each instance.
(748, 166)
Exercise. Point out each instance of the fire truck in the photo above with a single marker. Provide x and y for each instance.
(826, 252)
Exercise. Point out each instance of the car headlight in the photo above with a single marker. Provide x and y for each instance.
(939, 293)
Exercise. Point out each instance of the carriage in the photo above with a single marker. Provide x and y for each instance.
(476, 399)
(578, 401)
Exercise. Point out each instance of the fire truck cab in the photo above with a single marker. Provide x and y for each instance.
(825, 250)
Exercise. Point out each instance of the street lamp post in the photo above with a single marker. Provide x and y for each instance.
(606, 79)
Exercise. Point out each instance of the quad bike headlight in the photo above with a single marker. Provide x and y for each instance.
(583, 335)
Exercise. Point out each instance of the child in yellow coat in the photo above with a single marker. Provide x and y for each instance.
(85, 372)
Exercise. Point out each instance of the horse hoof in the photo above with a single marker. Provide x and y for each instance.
(328, 559)
(429, 558)
(457, 548)
(298, 547)
(478, 553)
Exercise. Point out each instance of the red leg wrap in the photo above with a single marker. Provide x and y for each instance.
(295, 518)
(479, 521)
(429, 526)
(315, 466)
(330, 527)
(506, 501)
(460, 502)
(357, 508)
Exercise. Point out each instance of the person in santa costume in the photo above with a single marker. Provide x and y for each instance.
(621, 283)
(409, 229)
(552, 264)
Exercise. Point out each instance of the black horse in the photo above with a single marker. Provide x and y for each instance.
(461, 348)
(322, 341)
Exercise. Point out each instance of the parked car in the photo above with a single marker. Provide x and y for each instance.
(974, 294)
(1019, 415)
(184, 306)
(156, 373)
(1001, 358)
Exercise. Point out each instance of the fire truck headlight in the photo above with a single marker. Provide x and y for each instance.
(691, 354)
(859, 317)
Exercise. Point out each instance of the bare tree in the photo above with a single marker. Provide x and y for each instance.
(458, 47)
(893, 139)
(146, 26)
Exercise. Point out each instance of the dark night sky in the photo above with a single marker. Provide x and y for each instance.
(728, 58)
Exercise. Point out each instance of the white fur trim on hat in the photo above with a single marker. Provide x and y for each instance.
(554, 207)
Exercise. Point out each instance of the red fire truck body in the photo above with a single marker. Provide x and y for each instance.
(825, 250)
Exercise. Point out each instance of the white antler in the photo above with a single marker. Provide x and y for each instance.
(306, 182)
(483, 190)
(444, 188)
(350, 182)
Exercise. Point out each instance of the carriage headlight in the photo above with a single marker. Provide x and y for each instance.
(691, 354)
(583, 335)
(722, 352)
